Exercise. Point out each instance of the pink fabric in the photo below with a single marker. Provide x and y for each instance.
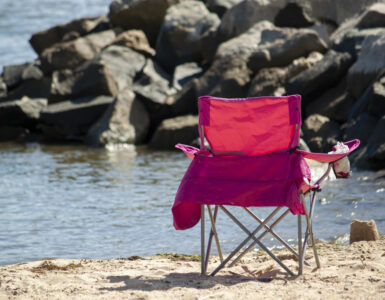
(328, 158)
(270, 180)
(250, 126)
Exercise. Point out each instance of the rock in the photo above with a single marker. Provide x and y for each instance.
(179, 39)
(324, 31)
(71, 120)
(33, 88)
(136, 40)
(374, 16)
(360, 128)
(377, 103)
(24, 112)
(125, 121)
(153, 85)
(12, 74)
(184, 73)
(321, 76)
(3, 88)
(363, 231)
(185, 101)
(293, 15)
(146, 15)
(375, 153)
(47, 38)
(221, 6)
(172, 131)
(69, 55)
(369, 64)
(109, 72)
(320, 133)
(12, 133)
(334, 103)
(272, 81)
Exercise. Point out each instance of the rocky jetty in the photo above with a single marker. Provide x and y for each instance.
(134, 75)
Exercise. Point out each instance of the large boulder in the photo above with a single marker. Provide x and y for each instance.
(369, 64)
(172, 131)
(71, 119)
(272, 81)
(24, 112)
(320, 133)
(335, 103)
(372, 17)
(180, 36)
(146, 15)
(293, 15)
(125, 121)
(221, 6)
(109, 72)
(13, 75)
(71, 54)
(377, 103)
(184, 73)
(360, 128)
(47, 38)
(321, 76)
(136, 40)
(32, 88)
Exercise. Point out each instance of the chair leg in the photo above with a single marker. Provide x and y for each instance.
(213, 229)
(203, 270)
(300, 252)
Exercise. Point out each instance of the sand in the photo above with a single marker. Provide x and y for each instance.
(347, 272)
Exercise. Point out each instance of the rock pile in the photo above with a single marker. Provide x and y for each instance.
(134, 75)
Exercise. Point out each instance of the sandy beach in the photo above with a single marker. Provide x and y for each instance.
(348, 272)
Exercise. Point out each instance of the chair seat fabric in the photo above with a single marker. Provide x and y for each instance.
(266, 180)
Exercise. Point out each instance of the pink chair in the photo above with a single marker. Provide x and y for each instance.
(253, 161)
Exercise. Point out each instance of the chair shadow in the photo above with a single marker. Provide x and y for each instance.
(190, 280)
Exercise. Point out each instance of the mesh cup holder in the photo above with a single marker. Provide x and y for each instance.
(341, 167)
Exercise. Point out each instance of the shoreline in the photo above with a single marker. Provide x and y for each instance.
(347, 272)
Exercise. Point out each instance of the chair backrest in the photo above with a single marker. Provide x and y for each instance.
(250, 126)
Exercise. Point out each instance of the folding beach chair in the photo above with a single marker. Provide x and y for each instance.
(253, 161)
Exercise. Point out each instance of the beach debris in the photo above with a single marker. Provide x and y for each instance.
(363, 231)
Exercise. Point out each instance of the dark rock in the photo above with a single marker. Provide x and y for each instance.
(153, 85)
(369, 64)
(221, 6)
(186, 101)
(374, 16)
(136, 40)
(32, 72)
(47, 38)
(184, 73)
(23, 112)
(335, 103)
(376, 145)
(30, 88)
(293, 15)
(180, 36)
(363, 231)
(12, 75)
(109, 72)
(125, 121)
(172, 131)
(12, 133)
(69, 55)
(146, 15)
(321, 76)
(360, 128)
(71, 120)
(377, 104)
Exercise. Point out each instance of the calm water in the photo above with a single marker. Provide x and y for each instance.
(75, 202)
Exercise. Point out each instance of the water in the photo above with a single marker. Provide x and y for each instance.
(77, 202)
(20, 19)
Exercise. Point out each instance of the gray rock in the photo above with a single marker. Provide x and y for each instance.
(374, 16)
(221, 6)
(180, 36)
(335, 103)
(369, 64)
(325, 32)
(47, 38)
(71, 120)
(153, 85)
(360, 128)
(24, 112)
(146, 15)
(3, 88)
(12, 74)
(184, 73)
(321, 76)
(125, 121)
(377, 104)
(71, 54)
(109, 72)
(293, 15)
(136, 40)
(172, 131)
